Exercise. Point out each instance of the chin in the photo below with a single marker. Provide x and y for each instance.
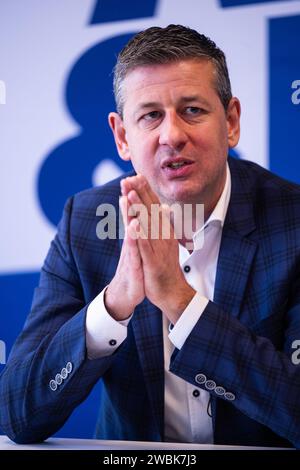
(182, 197)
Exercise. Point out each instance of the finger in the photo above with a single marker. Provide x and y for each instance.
(144, 244)
(148, 188)
(123, 203)
(146, 252)
(143, 194)
(146, 193)
(125, 186)
(135, 230)
(132, 229)
(157, 224)
(166, 230)
(126, 210)
(160, 227)
(140, 184)
(135, 260)
(139, 210)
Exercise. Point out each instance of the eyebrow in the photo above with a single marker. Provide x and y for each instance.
(193, 98)
(151, 104)
(189, 99)
(182, 100)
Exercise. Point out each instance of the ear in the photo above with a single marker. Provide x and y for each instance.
(233, 114)
(117, 126)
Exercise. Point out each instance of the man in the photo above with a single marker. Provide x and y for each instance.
(193, 344)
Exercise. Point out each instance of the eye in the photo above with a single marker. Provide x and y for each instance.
(152, 116)
(193, 111)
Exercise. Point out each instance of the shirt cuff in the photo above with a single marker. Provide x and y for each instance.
(104, 334)
(188, 319)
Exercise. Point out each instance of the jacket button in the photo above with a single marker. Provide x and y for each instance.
(220, 390)
(69, 367)
(53, 385)
(229, 396)
(200, 378)
(64, 373)
(58, 379)
(210, 384)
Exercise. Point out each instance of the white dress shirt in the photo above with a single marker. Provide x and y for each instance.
(186, 406)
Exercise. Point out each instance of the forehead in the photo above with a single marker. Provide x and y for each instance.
(172, 79)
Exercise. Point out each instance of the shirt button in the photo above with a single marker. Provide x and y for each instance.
(196, 393)
(187, 269)
(112, 342)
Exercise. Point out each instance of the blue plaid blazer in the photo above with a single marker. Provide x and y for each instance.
(243, 341)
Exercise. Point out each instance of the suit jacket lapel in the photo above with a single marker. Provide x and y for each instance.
(237, 250)
(234, 266)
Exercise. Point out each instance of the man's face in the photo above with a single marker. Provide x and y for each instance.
(175, 130)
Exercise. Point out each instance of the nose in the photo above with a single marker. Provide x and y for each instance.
(172, 132)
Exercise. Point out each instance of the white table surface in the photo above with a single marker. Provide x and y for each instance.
(95, 444)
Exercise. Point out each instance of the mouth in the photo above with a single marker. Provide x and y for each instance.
(177, 167)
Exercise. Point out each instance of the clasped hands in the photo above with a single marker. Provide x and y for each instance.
(148, 266)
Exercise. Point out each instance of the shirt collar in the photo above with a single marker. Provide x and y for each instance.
(220, 210)
(217, 217)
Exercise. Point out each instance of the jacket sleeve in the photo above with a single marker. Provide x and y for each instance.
(242, 365)
(48, 372)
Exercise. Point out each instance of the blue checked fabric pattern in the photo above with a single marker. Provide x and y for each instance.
(242, 342)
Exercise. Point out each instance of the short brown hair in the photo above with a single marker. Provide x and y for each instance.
(157, 45)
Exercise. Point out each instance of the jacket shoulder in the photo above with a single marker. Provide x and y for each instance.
(107, 193)
(252, 175)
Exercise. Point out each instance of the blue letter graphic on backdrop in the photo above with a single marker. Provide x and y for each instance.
(69, 167)
(89, 97)
(284, 114)
(116, 10)
(239, 3)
